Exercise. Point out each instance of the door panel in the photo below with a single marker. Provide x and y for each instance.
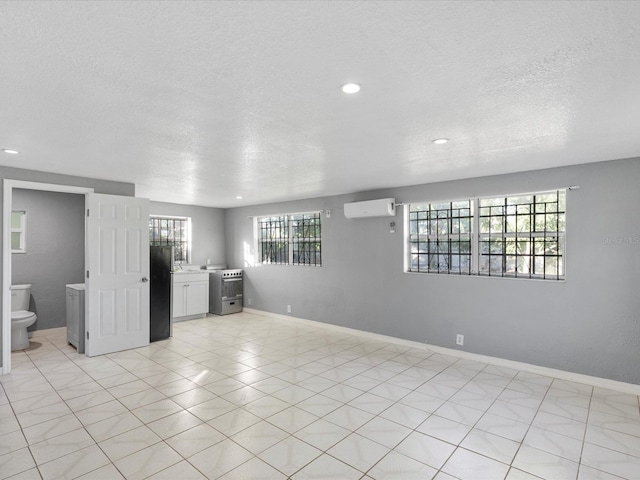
(117, 288)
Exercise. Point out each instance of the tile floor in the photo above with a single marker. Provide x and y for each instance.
(252, 397)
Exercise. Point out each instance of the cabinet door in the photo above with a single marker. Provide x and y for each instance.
(179, 299)
(198, 298)
(73, 317)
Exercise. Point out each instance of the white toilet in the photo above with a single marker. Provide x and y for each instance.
(21, 317)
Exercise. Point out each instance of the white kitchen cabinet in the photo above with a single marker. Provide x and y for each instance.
(190, 297)
(75, 315)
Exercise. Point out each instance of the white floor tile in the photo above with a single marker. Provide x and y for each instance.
(326, 467)
(555, 443)
(467, 465)
(290, 455)
(195, 440)
(492, 446)
(219, 459)
(288, 393)
(129, 442)
(254, 469)
(322, 434)
(257, 438)
(173, 424)
(15, 462)
(395, 466)
(444, 429)
(588, 473)
(383, 431)
(292, 419)
(113, 426)
(74, 464)
(426, 449)
(349, 417)
(147, 462)
(405, 415)
(359, 452)
(61, 445)
(611, 461)
(543, 464)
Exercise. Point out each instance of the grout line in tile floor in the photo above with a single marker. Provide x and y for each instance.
(249, 396)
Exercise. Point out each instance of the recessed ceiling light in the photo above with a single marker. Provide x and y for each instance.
(8, 150)
(239, 197)
(440, 141)
(351, 88)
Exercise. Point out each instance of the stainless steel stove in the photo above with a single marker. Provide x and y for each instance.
(225, 291)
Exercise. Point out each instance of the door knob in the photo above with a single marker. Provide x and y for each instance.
(145, 279)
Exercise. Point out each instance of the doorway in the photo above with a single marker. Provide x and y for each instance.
(9, 186)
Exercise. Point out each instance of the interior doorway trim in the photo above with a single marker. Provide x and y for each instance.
(7, 204)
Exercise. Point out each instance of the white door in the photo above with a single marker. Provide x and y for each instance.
(117, 283)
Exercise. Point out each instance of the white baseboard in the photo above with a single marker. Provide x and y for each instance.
(526, 367)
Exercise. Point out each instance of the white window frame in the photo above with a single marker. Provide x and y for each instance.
(558, 237)
(289, 241)
(434, 238)
(188, 241)
(22, 230)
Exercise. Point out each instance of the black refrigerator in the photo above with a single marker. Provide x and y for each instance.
(160, 285)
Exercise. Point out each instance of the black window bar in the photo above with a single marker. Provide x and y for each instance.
(290, 239)
(440, 237)
(523, 235)
(174, 232)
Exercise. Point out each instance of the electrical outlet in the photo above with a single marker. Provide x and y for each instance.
(248, 301)
(288, 308)
(459, 339)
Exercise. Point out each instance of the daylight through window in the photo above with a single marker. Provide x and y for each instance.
(290, 239)
(440, 237)
(174, 232)
(507, 236)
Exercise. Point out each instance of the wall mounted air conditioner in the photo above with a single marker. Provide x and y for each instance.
(384, 207)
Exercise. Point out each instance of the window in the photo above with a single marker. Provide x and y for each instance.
(18, 231)
(440, 237)
(290, 239)
(174, 232)
(507, 236)
(522, 236)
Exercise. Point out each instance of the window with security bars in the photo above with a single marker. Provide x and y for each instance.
(522, 235)
(290, 239)
(440, 237)
(174, 232)
(507, 236)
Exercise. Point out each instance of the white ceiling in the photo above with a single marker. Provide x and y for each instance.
(199, 102)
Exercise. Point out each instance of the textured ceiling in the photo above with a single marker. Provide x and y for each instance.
(200, 102)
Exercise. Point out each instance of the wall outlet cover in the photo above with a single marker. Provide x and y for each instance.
(459, 339)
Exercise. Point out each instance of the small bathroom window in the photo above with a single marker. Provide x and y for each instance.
(18, 231)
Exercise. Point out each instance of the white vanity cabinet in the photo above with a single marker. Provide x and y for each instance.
(190, 297)
(75, 315)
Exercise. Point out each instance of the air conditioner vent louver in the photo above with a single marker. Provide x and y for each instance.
(384, 207)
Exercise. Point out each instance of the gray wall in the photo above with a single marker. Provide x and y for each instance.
(99, 186)
(55, 251)
(589, 324)
(207, 229)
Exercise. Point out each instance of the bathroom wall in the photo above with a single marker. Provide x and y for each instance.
(99, 186)
(207, 230)
(54, 251)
